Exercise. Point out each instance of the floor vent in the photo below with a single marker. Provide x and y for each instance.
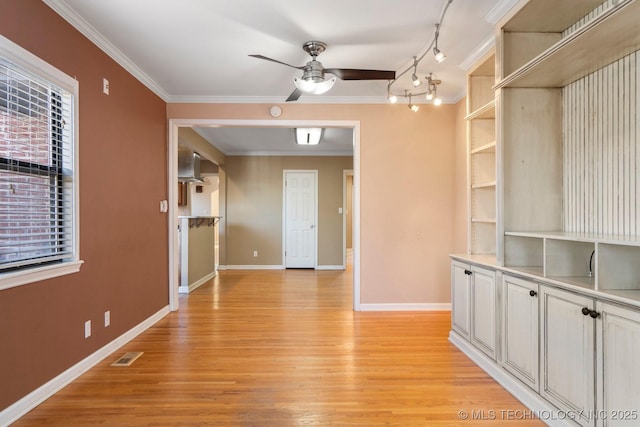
(127, 359)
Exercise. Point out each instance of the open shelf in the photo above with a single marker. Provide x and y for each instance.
(487, 111)
(486, 148)
(608, 37)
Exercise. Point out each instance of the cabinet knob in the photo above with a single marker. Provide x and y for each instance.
(586, 311)
(533, 293)
(467, 272)
(594, 314)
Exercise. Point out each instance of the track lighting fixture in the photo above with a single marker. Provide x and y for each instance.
(413, 107)
(391, 97)
(431, 90)
(414, 77)
(437, 53)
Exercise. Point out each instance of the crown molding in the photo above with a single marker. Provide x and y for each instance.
(80, 24)
(498, 11)
(480, 51)
(310, 99)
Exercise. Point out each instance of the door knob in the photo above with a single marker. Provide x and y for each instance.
(312, 226)
(533, 293)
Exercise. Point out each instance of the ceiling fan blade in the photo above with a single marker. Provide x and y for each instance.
(294, 95)
(355, 74)
(276, 61)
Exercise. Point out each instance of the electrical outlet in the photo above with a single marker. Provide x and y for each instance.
(87, 329)
(255, 254)
(107, 318)
(105, 86)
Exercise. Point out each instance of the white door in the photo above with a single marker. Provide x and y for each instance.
(300, 210)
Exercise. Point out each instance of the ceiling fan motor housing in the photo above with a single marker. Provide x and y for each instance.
(313, 71)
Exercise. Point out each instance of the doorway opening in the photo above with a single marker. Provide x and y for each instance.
(175, 124)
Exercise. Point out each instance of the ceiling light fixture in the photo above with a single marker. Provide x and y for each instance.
(414, 77)
(413, 107)
(439, 56)
(308, 136)
(432, 92)
(314, 86)
(437, 53)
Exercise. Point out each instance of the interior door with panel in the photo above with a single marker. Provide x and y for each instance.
(567, 356)
(520, 329)
(300, 208)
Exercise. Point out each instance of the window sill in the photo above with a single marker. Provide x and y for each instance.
(24, 277)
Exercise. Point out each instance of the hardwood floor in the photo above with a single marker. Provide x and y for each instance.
(284, 348)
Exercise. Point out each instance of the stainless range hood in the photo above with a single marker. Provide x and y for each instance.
(188, 165)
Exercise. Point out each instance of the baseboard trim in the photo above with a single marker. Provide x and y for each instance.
(254, 267)
(196, 284)
(13, 412)
(406, 307)
(529, 398)
(330, 267)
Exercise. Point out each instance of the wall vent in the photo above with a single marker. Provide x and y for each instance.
(127, 359)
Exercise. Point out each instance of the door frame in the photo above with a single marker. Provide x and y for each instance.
(172, 190)
(347, 173)
(284, 215)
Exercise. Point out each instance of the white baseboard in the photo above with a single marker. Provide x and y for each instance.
(406, 307)
(197, 283)
(529, 398)
(42, 393)
(330, 267)
(254, 267)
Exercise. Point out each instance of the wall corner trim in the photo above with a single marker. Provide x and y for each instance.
(13, 412)
(406, 307)
(197, 283)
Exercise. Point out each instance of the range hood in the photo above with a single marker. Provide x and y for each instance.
(188, 165)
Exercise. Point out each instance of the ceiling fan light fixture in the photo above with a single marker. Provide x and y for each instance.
(314, 87)
(308, 136)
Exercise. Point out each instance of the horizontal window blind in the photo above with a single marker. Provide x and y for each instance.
(36, 176)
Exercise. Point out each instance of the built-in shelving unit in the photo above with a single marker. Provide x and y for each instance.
(481, 149)
(554, 178)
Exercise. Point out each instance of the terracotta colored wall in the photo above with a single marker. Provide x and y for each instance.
(123, 236)
(407, 191)
(254, 207)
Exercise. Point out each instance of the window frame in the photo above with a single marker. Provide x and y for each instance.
(41, 68)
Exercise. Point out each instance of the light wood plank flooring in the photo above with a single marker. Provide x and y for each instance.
(284, 348)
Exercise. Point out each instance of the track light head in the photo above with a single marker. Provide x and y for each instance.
(414, 108)
(439, 56)
(393, 99)
(437, 101)
(416, 80)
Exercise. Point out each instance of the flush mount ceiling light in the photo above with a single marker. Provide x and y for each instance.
(308, 136)
(437, 53)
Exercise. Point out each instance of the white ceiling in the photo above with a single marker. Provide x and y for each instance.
(197, 50)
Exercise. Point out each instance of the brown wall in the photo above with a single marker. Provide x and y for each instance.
(406, 191)
(254, 207)
(123, 236)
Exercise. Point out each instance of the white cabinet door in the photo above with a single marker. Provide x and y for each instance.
(460, 298)
(618, 366)
(483, 310)
(520, 329)
(567, 357)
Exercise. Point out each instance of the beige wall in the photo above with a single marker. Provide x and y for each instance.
(407, 201)
(254, 207)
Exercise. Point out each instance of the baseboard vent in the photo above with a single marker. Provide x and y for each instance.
(127, 359)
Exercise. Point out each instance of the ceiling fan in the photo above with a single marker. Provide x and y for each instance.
(313, 80)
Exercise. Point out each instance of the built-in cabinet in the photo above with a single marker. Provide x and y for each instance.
(554, 161)
(474, 297)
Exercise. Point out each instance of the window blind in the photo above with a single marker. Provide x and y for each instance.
(36, 176)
